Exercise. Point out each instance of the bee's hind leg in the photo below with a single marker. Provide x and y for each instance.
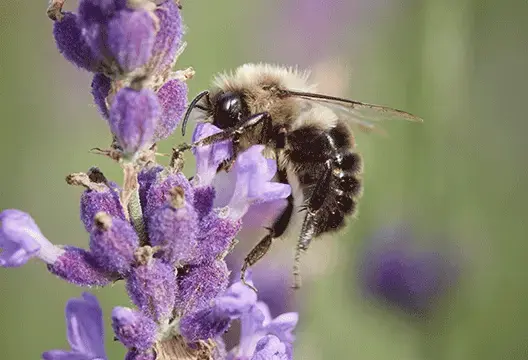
(255, 255)
(309, 227)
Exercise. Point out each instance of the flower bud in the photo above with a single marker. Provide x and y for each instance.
(133, 328)
(103, 198)
(200, 285)
(215, 236)
(203, 325)
(72, 45)
(159, 190)
(131, 35)
(173, 100)
(168, 39)
(133, 118)
(152, 287)
(112, 243)
(173, 227)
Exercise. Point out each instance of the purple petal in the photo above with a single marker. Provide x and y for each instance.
(238, 299)
(21, 239)
(264, 214)
(209, 157)
(72, 45)
(84, 319)
(131, 36)
(146, 178)
(133, 118)
(173, 100)
(174, 228)
(253, 186)
(270, 348)
(282, 326)
(250, 326)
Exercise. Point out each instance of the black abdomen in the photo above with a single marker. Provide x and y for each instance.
(312, 152)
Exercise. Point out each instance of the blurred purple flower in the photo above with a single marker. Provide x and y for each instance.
(85, 331)
(395, 270)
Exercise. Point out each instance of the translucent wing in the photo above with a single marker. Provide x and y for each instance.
(360, 114)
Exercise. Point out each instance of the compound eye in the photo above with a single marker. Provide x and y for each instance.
(227, 110)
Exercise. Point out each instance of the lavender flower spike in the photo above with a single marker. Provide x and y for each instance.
(84, 320)
(21, 239)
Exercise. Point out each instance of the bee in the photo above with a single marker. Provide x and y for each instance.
(308, 135)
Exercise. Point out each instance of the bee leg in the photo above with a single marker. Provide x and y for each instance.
(255, 255)
(309, 227)
(229, 134)
(278, 228)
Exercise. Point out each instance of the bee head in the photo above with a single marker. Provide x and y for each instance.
(228, 109)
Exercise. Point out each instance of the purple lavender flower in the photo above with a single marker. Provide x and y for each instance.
(21, 239)
(156, 188)
(113, 242)
(172, 97)
(84, 321)
(168, 39)
(247, 184)
(152, 287)
(200, 284)
(395, 270)
(131, 35)
(133, 328)
(257, 323)
(173, 227)
(72, 45)
(100, 198)
(240, 302)
(133, 118)
(79, 267)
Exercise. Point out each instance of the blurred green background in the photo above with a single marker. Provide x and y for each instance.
(460, 64)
